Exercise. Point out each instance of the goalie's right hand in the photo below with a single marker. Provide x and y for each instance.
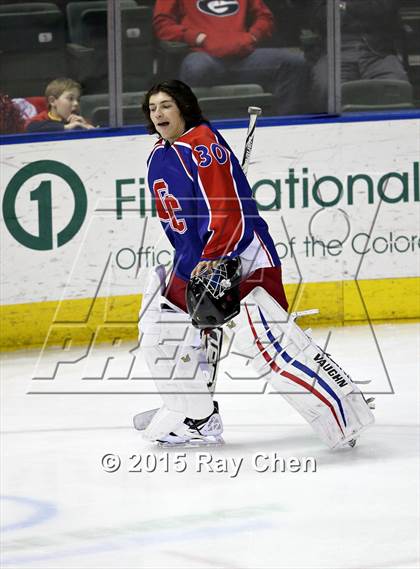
(204, 267)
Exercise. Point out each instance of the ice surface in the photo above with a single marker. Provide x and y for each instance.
(61, 509)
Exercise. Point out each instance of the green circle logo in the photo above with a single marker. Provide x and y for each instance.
(42, 194)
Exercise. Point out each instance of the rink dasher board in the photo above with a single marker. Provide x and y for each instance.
(341, 201)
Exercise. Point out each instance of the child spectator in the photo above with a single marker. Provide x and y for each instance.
(62, 97)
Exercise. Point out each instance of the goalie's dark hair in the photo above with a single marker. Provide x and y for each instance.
(184, 98)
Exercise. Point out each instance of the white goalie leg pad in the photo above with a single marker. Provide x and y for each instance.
(317, 387)
(212, 341)
(173, 352)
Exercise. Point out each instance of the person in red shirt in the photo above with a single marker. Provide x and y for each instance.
(224, 47)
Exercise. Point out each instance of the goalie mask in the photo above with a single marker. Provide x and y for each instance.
(213, 296)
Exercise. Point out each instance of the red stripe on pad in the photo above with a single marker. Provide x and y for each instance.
(289, 375)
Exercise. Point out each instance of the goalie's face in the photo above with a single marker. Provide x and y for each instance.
(166, 116)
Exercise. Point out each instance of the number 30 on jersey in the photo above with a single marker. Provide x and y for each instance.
(167, 206)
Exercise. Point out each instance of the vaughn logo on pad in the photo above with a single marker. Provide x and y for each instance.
(336, 373)
(218, 7)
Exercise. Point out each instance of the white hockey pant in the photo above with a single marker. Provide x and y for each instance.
(301, 371)
(173, 352)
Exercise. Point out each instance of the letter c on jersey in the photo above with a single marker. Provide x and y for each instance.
(167, 205)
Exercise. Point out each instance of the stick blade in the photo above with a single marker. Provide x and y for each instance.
(142, 420)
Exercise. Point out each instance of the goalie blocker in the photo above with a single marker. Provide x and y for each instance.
(314, 384)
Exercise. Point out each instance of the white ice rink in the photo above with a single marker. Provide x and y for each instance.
(60, 509)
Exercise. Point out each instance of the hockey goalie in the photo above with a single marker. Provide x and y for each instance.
(183, 350)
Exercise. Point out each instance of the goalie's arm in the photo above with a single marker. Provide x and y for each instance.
(221, 221)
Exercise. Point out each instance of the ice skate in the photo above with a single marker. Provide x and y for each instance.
(196, 432)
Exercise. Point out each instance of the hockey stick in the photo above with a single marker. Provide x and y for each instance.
(212, 343)
(254, 113)
(213, 339)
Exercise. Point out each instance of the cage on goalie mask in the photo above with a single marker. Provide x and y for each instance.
(213, 297)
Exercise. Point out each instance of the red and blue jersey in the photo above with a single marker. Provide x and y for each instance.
(204, 201)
